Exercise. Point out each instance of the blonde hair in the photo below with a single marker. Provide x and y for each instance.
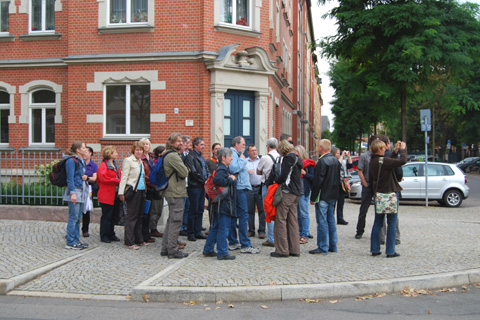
(142, 143)
(301, 152)
(377, 145)
(108, 151)
(75, 146)
(326, 145)
(284, 147)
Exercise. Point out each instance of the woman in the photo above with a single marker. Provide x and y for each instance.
(286, 221)
(157, 204)
(304, 200)
(212, 162)
(384, 181)
(91, 173)
(108, 179)
(76, 193)
(223, 211)
(344, 174)
(132, 192)
(148, 163)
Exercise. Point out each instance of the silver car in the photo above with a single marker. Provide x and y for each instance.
(446, 183)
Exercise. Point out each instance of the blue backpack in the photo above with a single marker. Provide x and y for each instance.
(157, 175)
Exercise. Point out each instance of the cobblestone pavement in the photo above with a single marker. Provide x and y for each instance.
(435, 240)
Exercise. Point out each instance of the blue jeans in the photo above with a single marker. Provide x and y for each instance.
(326, 226)
(196, 197)
(73, 224)
(303, 216)
(270, 225)
(242, 216)
(186, 207)
(218, 234)
(391, 229)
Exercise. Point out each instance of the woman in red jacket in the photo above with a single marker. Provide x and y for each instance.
(108, 179)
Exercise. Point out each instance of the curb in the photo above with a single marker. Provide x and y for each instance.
(7, 285)
(296, 292)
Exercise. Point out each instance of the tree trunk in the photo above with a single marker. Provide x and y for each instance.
(403, 113)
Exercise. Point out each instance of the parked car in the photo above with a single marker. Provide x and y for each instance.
(446, 183)
(468, 165)
(355, 179)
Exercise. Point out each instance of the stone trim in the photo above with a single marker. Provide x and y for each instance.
(25, 99)
(40, 36)
(11, 91)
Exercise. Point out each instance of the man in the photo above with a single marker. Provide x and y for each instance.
(325, 187)
(196, 193)
(399, 176)
(287, 137)
(254, 196)
(238, 166)
(367, 191)
(186, 146)
(264, 168)
(175, 195)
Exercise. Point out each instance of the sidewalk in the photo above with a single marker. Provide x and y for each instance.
(440, 248)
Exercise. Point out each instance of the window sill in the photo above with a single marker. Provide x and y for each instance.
(125, 29)
(40, 149)
(7, 37)
(6, 149)
(233, 30)
(125, 138)
(42, 36)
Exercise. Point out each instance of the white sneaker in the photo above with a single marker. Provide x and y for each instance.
(250, 250)
(235, 247)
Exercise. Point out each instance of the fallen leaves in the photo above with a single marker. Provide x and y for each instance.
(412, 292)
(447, 290)
(146, 298)
(191, 303)
(312, 300)
(370, 296)
(264, 307)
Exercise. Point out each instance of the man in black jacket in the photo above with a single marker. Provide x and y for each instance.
(325, 187)
(196, 193)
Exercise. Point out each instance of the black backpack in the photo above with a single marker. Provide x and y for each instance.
(275, 172)
(58, 176)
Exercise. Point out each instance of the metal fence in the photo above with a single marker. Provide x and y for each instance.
(24, 178)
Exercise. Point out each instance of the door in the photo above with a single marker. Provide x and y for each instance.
(412, 181)
(239, 117)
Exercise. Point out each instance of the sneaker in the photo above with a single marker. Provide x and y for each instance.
(268, 244)
(84, 245)
(177, 255)
(235, 246)
(249, 250)
(77, 246)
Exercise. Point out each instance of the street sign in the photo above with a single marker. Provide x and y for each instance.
(425, 120)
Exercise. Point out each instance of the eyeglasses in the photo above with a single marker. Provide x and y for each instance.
(291, 142)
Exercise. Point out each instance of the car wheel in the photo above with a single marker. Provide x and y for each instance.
(452, 198)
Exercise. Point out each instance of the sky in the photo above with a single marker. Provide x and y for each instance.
(323, 28)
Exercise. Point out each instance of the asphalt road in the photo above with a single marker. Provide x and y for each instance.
(461, 304)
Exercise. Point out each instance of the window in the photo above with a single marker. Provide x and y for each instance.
(42, 117)
(128, 11)
(42, 15)
(4, 113)
(235, 12)
(4, 16)
(127, 109)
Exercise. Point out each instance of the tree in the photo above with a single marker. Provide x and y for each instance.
(401, 46)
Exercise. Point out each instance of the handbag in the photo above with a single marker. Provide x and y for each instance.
(385, 203)
(346, 185)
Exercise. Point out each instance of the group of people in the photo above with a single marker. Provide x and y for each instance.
(232, 218)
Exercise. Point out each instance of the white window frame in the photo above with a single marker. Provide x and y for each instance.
(127, 110)
(44, 18)
(43, 107)
(11, 9)
(127, 15)
(234, 13)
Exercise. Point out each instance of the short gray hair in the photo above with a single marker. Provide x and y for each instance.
(223, 152)
(272, 143)
(236, 140)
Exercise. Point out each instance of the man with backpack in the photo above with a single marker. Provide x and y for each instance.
(175, 194)
(264, 168)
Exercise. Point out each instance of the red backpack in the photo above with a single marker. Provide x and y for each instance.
(214, 192)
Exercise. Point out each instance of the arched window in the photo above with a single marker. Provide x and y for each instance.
(42, 116)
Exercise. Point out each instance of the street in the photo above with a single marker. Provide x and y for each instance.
(461, 304)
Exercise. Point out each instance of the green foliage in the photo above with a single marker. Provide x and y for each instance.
(31, 194)
(42, 172)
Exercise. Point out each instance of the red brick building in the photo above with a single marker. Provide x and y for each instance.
(112, 71)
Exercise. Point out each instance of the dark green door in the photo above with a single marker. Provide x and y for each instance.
(239, 116)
